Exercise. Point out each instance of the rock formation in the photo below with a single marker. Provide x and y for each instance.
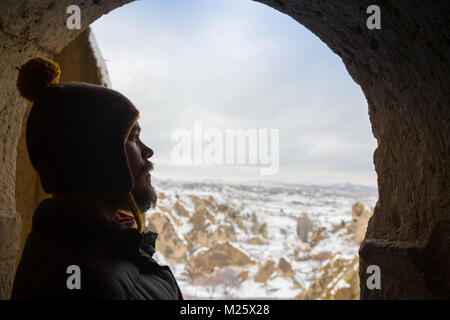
(336, 280)
(284, 268)
(265, 271)
(358, 226)
(317, 235)
(168, 242)
(219, 256)
(205, 232)
(304, 227)
(180, 210)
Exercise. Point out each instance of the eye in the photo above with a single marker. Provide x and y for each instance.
(134, 137)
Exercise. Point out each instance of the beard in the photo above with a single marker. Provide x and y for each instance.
(145, 197)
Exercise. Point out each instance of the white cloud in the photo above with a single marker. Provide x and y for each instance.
(243, 66)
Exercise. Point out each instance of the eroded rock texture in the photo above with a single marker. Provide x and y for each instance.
(403, 72)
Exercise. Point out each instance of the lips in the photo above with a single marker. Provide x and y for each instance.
(149, 167)
(147, 170)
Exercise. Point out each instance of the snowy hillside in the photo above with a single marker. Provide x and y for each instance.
(266, 240)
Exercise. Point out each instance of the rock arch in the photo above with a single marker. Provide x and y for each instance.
(401, 69)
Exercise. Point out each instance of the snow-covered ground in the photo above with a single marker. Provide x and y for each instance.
(279, 206)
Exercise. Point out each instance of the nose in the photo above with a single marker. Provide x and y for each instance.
(147, 152)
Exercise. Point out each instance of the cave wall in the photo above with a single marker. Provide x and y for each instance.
(402, 70)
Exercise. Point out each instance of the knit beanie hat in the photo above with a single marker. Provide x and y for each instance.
(76, 134)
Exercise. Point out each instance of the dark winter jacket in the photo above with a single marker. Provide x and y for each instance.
(115, 262)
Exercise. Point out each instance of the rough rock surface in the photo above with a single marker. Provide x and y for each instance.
(221, 255)
(304, 226)
(361, 216)
(265, 271)
(284, 268)
(337, 280)
(203, 232)
(317, 235)
(168, 242)
(180, 210)
(402, 70)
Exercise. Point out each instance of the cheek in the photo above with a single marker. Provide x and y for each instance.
(133, 158)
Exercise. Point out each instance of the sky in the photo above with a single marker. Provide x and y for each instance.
(237, 64)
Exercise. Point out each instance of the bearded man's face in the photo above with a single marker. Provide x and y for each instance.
(138, 154)
(145, 195)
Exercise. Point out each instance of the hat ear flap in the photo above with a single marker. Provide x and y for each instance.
(136, 212)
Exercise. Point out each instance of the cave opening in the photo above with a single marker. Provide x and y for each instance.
(407, 107)
(217, 71)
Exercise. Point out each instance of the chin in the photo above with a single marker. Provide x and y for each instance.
(145, 197)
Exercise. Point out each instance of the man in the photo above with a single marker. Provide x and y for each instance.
(86, 241)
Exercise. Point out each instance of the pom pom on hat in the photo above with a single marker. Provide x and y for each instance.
(35, 75)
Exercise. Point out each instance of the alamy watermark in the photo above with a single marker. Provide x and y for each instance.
(229, 146)
(374, 280)
(374, 20)
(73, 22)
(74, 280)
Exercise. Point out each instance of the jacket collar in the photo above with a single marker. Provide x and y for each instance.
(90, 231)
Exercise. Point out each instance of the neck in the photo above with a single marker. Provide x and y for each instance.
(88, 202)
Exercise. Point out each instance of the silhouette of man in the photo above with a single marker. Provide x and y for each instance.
(87, 241)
